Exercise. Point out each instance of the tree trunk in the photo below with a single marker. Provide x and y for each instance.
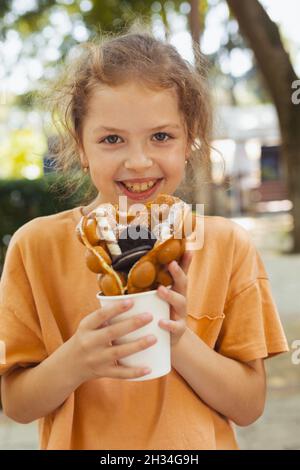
(202, 193)
(274, 62)
(195, 30)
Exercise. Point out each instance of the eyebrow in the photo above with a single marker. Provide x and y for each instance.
(114, 129)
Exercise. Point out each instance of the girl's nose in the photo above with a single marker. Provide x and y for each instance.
(138, 162)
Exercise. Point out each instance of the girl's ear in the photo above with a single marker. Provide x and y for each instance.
(83, 159)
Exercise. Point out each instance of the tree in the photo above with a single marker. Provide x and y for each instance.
(196, 20)
(279, 75)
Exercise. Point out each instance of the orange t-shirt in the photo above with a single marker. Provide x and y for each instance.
(46, 289)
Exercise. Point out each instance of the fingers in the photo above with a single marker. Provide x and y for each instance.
(113, 332)
(175, 299)
(174, 327)
(123, 372)
(179, 273)
(100, 317)
(117, 352)
(179, 277)
(186, 261)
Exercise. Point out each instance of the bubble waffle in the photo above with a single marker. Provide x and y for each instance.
(129, 252)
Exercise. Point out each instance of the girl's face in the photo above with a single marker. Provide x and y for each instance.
(134, 142)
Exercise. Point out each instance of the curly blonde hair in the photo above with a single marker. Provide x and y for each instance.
(114, 59)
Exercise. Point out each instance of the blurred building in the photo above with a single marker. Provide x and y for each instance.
(248, 139)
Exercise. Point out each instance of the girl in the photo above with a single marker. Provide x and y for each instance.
(134, 111)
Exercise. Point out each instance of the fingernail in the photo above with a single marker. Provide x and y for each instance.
(145, 316)
(150, 338)
(163, 290)
(126, 303)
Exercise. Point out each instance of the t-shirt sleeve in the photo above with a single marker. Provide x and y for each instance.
(251, 328)
(21, 342)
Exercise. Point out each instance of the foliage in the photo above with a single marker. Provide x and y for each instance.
(113, 16)
(21, 154)
(109, 15)
(23, 200)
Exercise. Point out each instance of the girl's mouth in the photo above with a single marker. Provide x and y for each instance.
(138, 191)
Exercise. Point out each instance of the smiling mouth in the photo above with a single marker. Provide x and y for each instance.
(136, 187)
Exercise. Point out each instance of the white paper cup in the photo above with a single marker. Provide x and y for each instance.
(157, 356)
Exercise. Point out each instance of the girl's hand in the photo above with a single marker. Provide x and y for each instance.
(176, 297)
(93, 348)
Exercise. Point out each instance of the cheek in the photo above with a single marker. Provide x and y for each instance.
(102, 166)
(174, 173)
(173, 164)
(104, 180)
(102, 175)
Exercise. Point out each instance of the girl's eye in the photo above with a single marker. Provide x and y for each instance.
(111, 139)
(162, 135)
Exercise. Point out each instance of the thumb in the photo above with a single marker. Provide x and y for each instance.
(186, 261)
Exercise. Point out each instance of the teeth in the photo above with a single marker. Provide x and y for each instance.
(139, 187)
